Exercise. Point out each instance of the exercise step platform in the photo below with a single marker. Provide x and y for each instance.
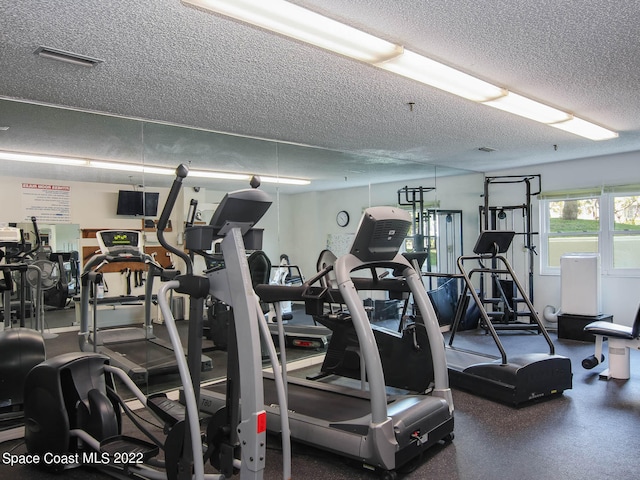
(122, 447)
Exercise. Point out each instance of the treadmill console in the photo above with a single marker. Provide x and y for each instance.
(493, 242)
(120, 242)
(381, 232)
(9, 235)
(242, 208)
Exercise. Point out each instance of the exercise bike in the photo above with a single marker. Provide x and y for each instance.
(73, 414)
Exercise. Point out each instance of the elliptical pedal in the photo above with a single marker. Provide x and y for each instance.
(124, 449)
(169, 411)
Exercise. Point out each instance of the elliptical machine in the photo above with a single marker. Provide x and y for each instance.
(73, 414)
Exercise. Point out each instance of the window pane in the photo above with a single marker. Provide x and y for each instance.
(558, 246)
(568, 216)
(626, 211)
(626, 251)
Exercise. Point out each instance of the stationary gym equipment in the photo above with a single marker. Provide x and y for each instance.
(135, 350)
(21, 349)
(73, 413)
(295, 335)
(15, 259)
(436, 245)
(363, 422)
(621, 340)
(502, 217)
(517, 379)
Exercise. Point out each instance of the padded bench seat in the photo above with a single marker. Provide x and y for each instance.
(609, 329)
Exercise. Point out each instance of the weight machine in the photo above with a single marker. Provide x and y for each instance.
(495, 217)
(437, 244)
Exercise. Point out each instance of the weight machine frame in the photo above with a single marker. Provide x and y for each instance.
(489, 215)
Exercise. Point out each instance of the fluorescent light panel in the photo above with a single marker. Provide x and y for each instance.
(438, 75)
(218, 175)
(583, 128)
(23, 157)
(284, 180)
(304, 25)
(296, 22)
(147, 169)
(519, 105)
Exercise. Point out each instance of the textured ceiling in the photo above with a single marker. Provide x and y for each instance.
(169, 63)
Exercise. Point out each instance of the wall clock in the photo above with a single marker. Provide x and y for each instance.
(342, 218)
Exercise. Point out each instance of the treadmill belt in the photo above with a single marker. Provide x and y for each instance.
(324, 405)
(149, 355)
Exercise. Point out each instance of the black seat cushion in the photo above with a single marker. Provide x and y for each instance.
(609, 329)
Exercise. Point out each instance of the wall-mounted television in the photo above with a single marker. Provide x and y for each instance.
(137, 203)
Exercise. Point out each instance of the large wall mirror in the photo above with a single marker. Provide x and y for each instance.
(73, 202)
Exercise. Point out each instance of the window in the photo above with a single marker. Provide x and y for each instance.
(605, 222)
(574, 226)
(626, 232)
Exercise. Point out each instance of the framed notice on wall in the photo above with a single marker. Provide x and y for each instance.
(48, 203)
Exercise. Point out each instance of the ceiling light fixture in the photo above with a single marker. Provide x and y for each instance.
(219, 175)
(123, 167)
(296, 22)
(583, 128)
(131, 167)
(139, 168)
(284, 180)
(24, 157)
(527, 108)
(438, 75)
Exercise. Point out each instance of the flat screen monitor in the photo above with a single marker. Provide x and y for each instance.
(137, 203)
(151, 204)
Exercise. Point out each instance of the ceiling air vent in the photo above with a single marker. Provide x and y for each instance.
(69, 57)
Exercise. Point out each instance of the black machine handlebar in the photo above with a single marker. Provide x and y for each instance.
(181, 172)
(36, 246)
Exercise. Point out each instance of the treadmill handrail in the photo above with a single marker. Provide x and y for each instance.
(469, 286)
(93, 265)
(343, 267)
(483, 312)
(530, 306)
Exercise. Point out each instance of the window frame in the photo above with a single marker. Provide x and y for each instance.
(606, 233)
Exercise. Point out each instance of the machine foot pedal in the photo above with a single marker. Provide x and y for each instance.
(169, 411)
(123, 449)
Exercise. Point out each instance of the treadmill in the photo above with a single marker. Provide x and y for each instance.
(297, 335)
(135, 350)
(515, 380)
(380, 427)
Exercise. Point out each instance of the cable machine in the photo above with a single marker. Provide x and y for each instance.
(496, 217)
(437, 242)
(414, 197)
(433, 230)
